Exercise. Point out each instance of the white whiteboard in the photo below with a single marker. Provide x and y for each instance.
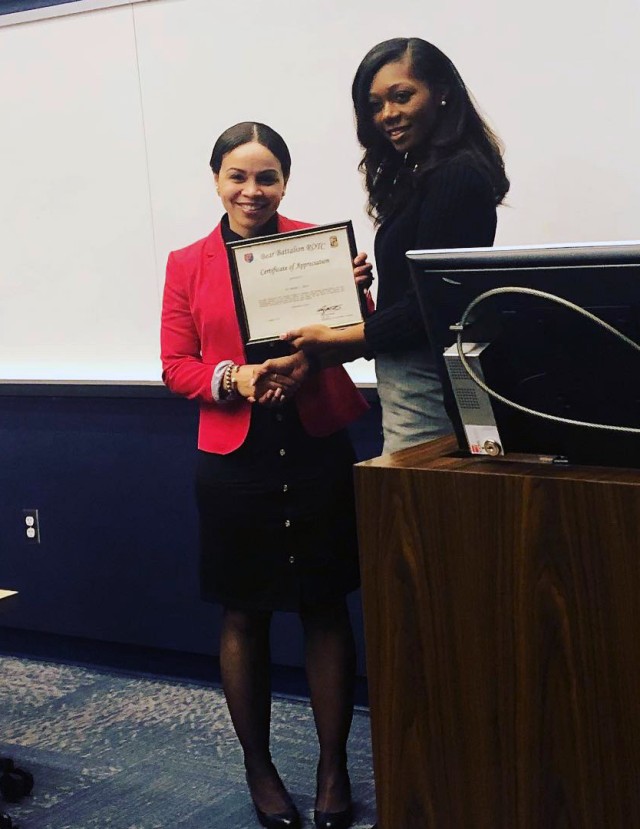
(109, 117)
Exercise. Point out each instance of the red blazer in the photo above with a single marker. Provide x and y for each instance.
(200, 328)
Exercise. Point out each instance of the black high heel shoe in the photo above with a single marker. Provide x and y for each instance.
(288, 819)
(283, 820)
(334, 820)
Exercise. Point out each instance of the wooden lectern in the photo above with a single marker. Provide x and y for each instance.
(502, 617)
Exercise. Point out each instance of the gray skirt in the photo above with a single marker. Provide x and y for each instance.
(410, 394)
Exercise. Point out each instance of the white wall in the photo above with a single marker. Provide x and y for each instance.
(109, 118)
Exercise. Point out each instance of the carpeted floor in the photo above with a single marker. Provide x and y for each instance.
(111, 751)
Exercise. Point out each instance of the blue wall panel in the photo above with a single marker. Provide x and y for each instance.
(112, 478)
(25, 5)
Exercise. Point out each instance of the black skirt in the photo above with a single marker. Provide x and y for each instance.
(277, 517)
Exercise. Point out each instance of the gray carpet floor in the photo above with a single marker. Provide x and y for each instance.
(111, 751)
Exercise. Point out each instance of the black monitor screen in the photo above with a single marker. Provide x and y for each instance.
(540, 354)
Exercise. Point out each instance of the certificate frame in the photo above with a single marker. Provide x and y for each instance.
(278, 281)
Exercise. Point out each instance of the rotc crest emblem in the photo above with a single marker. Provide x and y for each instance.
(248, 257)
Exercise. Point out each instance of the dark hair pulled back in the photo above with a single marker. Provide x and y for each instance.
(244, 133)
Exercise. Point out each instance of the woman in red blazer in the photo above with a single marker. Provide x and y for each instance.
(274, 483)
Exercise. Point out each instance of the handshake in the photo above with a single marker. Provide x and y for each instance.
(273, 382)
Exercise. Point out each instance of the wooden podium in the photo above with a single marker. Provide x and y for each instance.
(502, 618)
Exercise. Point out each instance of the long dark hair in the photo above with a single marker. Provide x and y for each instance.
(459, 131)
(244, 133)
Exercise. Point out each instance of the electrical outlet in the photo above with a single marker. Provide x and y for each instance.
(31, 525)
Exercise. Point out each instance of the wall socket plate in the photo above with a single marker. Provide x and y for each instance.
(31, 526)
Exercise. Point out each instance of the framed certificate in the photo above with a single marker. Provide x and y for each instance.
(290, 280)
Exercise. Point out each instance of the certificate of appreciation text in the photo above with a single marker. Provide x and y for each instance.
(295, 279)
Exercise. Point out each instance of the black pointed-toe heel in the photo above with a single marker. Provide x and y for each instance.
(334, 820)
(283, 820)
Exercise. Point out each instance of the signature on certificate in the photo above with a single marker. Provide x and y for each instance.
(328, 310)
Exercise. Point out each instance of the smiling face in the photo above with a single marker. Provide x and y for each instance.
(403, 108)
(251, 185)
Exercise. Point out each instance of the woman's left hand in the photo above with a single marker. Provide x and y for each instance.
(362, 271)
(311, 338)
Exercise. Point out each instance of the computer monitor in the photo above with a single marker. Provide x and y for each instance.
(537, 353)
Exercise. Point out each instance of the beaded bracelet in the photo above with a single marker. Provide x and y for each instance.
(233, 379)
(226, 380)
(230, 380)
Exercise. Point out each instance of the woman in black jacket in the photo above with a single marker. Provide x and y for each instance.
(434, 175)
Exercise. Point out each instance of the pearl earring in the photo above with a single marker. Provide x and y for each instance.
(443, 103)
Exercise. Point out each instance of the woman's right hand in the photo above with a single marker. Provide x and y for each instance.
(270, 389)
(294, 366)
(285, 374)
